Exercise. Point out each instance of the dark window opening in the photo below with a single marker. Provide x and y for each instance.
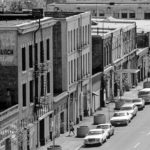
(41, 52)
(124, 15)
(146, 15)
(48, 82)
(30, 56)
(42, 85)
(31, 91)
(101, 14)
(131, 15)
(23, 59)
(48, 50)
(36, 52)
(24, 94)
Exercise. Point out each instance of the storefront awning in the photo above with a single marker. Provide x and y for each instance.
(95, 93)
(128, 71)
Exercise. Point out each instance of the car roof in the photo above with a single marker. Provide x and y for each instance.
(104, 124)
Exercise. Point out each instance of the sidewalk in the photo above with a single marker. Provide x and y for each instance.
(74, 143)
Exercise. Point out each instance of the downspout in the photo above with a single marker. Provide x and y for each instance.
(36, 83)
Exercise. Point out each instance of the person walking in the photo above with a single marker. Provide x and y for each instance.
(71, 127)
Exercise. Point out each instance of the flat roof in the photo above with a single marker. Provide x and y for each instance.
(142, 25)
(15, 23)
(104, 26)
(108, 1)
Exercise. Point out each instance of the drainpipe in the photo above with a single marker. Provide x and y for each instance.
(36, 83)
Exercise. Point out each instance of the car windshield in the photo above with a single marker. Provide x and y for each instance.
(119, 114)
(136, 100)
(103, 126)
(125, 108)
(95, 132)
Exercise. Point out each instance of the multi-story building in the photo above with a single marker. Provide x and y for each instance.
(72, 67)
(26, 79)
(114, 49)
(125, 9)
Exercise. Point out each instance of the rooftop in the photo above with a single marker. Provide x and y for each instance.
(57, 14)
(106, 26)
(107, 1)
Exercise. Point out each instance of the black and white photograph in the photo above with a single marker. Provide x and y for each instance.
(74, 74)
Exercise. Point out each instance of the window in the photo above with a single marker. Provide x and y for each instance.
(71, 71)
(116, 15)
(146, 15)
(23, 59)
(101, 14)
(31, 91)
(24, 94)
(124, 15)
(36, 52)
(41, 52)
(48, 50)
(42, 85)
(48, 82)
(30, 56)
(131, 15)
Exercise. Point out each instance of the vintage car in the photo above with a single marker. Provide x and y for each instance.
(121, 118)
(95, 136)
(109, 129)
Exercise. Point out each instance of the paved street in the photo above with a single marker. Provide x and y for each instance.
(135, 136)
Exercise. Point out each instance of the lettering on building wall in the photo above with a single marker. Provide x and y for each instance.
(6, 51)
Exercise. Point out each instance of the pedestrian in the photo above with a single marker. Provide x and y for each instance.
(71, 127)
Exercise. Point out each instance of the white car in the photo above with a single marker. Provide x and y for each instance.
(121, 118)
(139, 102)
(130, 108)
(95, 136)
(109, 129)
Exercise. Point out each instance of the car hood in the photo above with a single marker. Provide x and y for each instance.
(138, 103)
(93, 136)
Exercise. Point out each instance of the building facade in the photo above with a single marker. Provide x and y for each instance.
(26, 60)
(117, 45)
(72, 68)
(118, 9)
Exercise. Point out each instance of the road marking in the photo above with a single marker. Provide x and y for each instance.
(136, 145)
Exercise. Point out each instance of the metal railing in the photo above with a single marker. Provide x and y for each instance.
(8, 112)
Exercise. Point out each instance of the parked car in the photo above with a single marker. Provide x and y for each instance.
(139, 102)
(109, 129)
(121, 118)
(95, 136)
(130, 108)
(145, 94)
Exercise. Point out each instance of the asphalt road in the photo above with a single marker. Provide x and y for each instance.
(135, 136)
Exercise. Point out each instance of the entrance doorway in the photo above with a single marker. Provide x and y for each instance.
(42, 134)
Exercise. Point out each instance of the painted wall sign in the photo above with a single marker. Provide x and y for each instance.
(7, 47)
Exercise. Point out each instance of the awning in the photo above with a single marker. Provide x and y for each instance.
(95, 93)
(128, 71)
